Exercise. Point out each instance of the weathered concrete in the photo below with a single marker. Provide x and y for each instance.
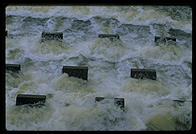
(32, 100)
(159, 39)
(111, 36)
(76, 71)
(52, 36)
(143, 73)
(99, 99)
(117, 101)
(13, 67)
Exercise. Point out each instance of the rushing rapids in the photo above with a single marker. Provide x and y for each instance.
(70, 102)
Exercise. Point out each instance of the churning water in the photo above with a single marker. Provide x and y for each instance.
(70, 102)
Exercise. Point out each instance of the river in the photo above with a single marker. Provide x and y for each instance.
(70, 102)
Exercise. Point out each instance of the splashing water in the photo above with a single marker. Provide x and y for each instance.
(70, 102)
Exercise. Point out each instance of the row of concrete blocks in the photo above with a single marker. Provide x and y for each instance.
(82, 72)
(39, 100)
(59, 36)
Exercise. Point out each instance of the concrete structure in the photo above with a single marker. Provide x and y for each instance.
(52, 36)
(143, 73)
(76, 71)
(13, 67)
(32, 100)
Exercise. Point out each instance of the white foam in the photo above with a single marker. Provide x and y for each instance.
(70, 103)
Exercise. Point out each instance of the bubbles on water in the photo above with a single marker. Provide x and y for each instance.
(33, 117)
(163, 52)
(107, 49)
(161, 119)
(146, 87)
(67, 83)
(70, 101)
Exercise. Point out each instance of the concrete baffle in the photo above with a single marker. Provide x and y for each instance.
(52, 36)
(76, 71)
(119, 102)
(143, 73)
(32, 100)
(164, 39)
(13, 67)
(111, 36)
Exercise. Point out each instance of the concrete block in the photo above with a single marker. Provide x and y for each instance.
(111, 36)
(32, 100)
(13, 67)
(99, 99)
(76, 71)
(182, 101)
(179, 34)
(52, 36)
(143, 73)
(159, 39)
(119, 102)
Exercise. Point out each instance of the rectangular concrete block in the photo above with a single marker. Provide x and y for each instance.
(99, 99)
(159, 39)
(111, 36)
(33, 100)
(179, 102)
(180, 34)
(182, 101)
(13, 67)
(76, 71)
(119, 102)
(52, 36)
(143, 73)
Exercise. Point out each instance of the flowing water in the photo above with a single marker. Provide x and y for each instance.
(70, 102)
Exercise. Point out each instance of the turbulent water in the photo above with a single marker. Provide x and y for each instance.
(70, 102)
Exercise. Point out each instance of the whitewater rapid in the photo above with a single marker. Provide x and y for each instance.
(70, 102)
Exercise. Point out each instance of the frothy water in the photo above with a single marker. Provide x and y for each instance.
(70, 102)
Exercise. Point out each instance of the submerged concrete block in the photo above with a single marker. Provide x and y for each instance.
(32, 100)
(52, 36)
(6, 33)
(117, 101)
(99, 99)
(143, 73)
(13, 67)
(182, 101)
(76, 71)
(159, 39)
(111, 36)
(180, 34)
